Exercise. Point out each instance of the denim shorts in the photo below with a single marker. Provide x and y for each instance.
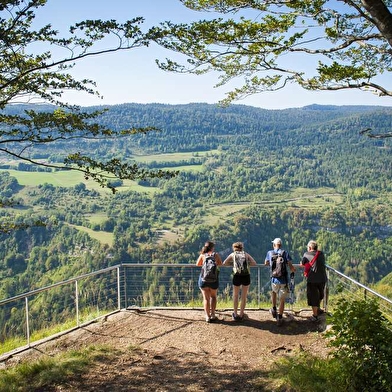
(211, 285)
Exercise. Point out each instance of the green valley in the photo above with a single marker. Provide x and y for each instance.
(244, 174)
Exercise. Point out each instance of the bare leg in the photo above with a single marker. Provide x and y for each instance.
(273, 299)
(236, 292)
(213, 300)
(281, 305)
(206, 301)
(244, 294)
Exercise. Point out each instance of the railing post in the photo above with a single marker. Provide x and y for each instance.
(118, 289)
(193, 290)
(326, 293)
(77, 303)
(124, 271)
(27, 321)
(258, 286)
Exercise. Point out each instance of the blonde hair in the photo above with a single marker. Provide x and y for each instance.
(238, 246)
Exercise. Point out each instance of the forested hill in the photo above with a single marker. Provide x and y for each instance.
(245, 173)
(202, 126)
(310, 146)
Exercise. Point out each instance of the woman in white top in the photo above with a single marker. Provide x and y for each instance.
(241, 261)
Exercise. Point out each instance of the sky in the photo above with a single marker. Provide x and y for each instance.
(133, 76)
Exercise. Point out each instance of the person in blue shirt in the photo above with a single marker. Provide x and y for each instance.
(279, 284)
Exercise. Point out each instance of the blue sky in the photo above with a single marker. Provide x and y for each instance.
(133, 76)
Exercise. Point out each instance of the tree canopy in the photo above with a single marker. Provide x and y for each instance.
(35, 64)
(341, 44)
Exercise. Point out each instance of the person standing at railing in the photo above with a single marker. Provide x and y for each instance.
(241, 261)
(313, 261)
(209, 260)
(280, 263)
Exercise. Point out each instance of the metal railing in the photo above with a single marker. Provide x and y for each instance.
(342, 285)
(61, 307)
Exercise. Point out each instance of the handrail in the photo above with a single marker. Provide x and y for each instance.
(62, 283)
(135, 265)
(360, 285)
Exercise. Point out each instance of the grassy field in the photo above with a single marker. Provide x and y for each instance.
(71, 178)
(68, 179)
(59, 178)
(103, 237)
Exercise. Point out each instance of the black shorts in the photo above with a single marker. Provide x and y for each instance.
(315, 293)
(243, 280)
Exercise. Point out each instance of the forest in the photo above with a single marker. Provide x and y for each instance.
(244, 174)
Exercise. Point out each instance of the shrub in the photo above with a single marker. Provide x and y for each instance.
(363, 338)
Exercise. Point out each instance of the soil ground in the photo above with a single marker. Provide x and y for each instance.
(176, 350)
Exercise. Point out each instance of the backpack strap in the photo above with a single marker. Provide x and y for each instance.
(308, 266)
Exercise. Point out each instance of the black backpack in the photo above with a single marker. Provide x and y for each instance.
(278, 265)
(240, 263)
(209, 269)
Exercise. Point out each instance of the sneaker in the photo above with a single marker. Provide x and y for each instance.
(273, 312)
(279, 319)
(313, 318)
(208, 319)
(213, 318)
(236, 317)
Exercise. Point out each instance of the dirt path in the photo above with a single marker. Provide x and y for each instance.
(176, 350)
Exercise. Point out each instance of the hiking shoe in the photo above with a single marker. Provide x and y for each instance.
(279, 319)
(273, 312)
(208, 319)
(313, 318)
(213, 318)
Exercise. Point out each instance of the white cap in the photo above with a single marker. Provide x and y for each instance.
(277, 241)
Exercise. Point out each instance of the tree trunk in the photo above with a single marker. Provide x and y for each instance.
(381, 16)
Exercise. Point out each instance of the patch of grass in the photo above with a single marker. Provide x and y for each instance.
(304, 373)
(52, 371)
(52, 330)
(103, 237)
(12, 344)
(85, 316)
(20, 341)
(98, 217)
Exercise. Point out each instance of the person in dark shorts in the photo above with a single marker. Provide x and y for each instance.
(315, 272)
(241, 261)
(209, 289)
